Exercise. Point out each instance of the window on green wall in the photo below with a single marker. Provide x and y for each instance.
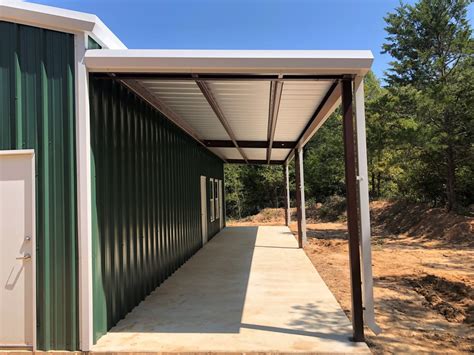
(216, 198)
(211, 199)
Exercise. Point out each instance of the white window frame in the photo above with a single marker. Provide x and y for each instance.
(211, 200)
(221, 203)
(216, 199)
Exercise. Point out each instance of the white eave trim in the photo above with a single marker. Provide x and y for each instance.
(59, 20)
(357, 62)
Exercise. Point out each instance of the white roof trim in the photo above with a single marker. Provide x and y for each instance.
(357, 62)
(60, 20)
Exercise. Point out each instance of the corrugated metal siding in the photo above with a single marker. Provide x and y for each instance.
(92, 44)
(37, 112)
(145, 199)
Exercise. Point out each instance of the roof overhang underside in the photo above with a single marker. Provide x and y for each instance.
(251, 107)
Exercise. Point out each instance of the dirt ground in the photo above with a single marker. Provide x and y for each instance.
(423, 276)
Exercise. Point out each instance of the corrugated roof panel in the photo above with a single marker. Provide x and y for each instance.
(255, 153)
(186, 100)
(245, 105)
(280, 154)
(298, 102)
(227, 153)
(251, 153)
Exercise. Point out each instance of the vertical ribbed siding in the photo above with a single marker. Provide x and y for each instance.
(145, 199)
(92, 44)
(37, 112)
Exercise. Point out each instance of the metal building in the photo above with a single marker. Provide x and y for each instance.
(119, 156)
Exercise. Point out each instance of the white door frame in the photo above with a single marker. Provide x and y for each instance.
(31, 153)
(203, 194)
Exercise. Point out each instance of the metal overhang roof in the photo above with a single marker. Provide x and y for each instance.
(250, 106)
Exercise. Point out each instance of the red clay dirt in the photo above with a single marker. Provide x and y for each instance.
(423, 265)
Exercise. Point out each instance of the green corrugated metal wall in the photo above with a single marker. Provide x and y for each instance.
(145, 199)
(37, 112)
(92, 44)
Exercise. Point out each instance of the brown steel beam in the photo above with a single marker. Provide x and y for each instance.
(283, 145)
(248, 144)
(276, 89)
(352, 214)
(206, 91)
(254, 162)
(216, 77)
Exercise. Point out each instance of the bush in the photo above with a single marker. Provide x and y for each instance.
(333, 209)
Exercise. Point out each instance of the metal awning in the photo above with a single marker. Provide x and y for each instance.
(245, 106)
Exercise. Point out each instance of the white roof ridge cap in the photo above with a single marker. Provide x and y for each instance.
(58, 19)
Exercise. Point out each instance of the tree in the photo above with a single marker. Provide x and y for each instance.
(377, 135)
(234, 190)
(393, 136)
(324, 161)
(428, 40)
(432, 46)
(250, 188)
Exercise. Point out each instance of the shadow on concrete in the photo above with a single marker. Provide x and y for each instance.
(311, 320)
(316, 315)
(206, 295)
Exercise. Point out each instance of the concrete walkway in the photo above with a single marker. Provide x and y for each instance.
(248, 290)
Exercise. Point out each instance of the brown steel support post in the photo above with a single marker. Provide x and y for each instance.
(352, 214)
(300, 203)
(287, 196)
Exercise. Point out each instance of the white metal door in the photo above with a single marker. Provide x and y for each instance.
(204, 209)
(17, 252)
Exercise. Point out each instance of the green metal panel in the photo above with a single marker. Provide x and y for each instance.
(92, 44)
(145, 199)
(37, 112)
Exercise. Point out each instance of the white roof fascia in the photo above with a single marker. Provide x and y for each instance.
(357, 62)
(59, 20)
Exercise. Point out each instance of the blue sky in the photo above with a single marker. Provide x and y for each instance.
(245, 24)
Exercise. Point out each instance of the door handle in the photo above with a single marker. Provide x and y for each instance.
(25, 257)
